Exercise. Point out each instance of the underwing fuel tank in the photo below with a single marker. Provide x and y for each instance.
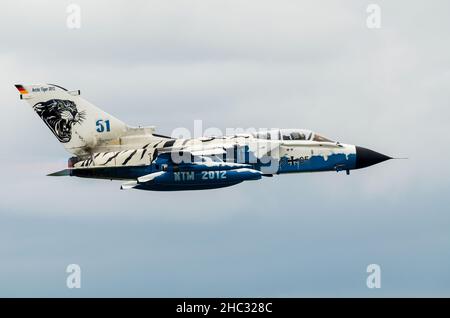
(192, 180)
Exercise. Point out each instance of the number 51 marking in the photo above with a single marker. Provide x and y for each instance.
(102, 125)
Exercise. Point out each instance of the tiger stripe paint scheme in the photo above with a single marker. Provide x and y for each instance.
(106, 148)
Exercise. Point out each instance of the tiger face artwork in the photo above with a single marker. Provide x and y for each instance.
(60, 116)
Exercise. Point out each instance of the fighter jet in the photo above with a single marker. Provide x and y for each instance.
(103, 147)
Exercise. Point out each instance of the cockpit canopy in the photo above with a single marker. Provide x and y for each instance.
(295, 134)
(290, 134)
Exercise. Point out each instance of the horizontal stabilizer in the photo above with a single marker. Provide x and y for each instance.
(65, 172)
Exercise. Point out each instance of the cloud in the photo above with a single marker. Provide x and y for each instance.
(232, 64)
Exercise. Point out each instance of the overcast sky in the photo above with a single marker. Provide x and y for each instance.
(293, 64)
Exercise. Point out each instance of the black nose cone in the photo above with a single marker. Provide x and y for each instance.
(366, 157)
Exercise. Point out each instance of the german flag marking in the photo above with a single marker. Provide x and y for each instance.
(21, 89)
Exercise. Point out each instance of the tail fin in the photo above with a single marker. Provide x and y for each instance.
(76, 123)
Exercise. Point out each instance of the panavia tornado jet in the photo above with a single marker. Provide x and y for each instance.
(103, 147)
